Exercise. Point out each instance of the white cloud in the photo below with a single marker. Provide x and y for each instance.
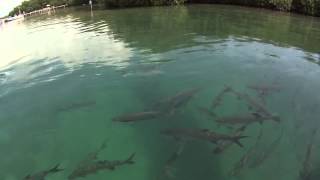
(7, 5)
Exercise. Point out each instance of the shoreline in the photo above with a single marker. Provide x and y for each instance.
(252, 7)
(262, 9)
(310, 8)
(207, 2)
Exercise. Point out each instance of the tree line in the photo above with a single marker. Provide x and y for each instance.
(311, 7)
(32, 5)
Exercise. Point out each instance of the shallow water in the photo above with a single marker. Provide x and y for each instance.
(65, 76)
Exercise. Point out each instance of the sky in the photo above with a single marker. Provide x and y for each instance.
(7, 5)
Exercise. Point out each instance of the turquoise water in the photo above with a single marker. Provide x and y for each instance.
(65, 76)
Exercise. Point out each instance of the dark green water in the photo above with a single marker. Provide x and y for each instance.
(63, 78)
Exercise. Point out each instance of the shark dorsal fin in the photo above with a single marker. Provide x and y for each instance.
(256, 114)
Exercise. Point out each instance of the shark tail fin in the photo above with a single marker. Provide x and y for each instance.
(236, 139)
(102, 146)
(130, 159)
(55, 169)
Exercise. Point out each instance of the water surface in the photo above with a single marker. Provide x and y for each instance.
(64, 76)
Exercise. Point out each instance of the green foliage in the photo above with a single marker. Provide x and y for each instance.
(77, 2)
(131, 3)
(311, 7)
(32, 5)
